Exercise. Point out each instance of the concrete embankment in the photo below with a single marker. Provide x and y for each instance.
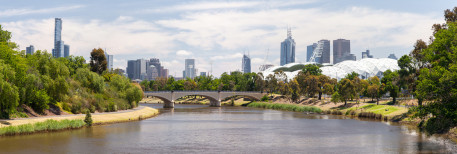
(138, 113)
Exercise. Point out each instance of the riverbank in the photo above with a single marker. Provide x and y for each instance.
(138, 113)
(382, 112)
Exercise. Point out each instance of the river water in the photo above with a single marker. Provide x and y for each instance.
(202, 129)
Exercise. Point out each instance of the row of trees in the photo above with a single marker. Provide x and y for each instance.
(40, 81)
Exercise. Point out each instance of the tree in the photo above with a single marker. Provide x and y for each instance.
(272, 83)
(346, 90)
(437, 81)
(9, 99)
(294, 90)
(98, 61)
(311, 69)
(390, 80)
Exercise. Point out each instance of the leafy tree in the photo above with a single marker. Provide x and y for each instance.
(98, 61)
(346, 90)
(311, 69)
(390, 80)
(437, 81)
(9, 99)
(294, 91)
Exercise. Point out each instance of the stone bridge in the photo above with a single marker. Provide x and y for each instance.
(215, 97)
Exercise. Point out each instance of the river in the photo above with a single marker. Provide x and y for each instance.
(202, 129)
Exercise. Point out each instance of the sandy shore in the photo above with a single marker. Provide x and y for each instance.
(138, 113)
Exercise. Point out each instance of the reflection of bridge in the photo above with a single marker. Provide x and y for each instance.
(215, 97)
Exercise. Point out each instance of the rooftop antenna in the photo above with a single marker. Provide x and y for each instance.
(289, 32)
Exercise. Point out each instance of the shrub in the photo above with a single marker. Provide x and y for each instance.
(88, 119)
(264, 98)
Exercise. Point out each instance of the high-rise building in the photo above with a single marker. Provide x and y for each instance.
(309, 51)
(325, 51)
(59, 46)
(136, 69)
(341, 50)
(66, 49)
(152, 73)
(392, 56)
(109, 61)
(246, 64)
(366, 54)
(131, 68)
(189, 71)
(30, 50)
(202, 74)
(288, 49)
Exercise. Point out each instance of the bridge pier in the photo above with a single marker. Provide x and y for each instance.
(215, 103)
(168, 104)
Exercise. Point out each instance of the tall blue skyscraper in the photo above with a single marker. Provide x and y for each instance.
(288, 49)
(246, 64)
(309, 51)
(30, 50)
(59, 46)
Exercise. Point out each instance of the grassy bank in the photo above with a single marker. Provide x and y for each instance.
(287, 107)
(48, 125)
(43, 124)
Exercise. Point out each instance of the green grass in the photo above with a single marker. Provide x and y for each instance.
(48, 125)
(384, 110)
(287, 107)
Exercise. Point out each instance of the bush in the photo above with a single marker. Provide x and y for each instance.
(92, 109)
(88, 119)
(264, 98)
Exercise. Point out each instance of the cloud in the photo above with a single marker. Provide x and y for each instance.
(18, 12)
(226, 57)
(199, 6)
(218, 31)
(183, 53)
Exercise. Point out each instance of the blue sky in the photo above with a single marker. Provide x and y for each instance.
(219, 32)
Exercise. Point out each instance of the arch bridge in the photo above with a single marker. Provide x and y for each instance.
(215, 97)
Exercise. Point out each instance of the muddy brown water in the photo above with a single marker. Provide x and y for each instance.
(202, 129)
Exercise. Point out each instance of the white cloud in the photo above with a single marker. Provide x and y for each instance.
(183, 53)
(218, 31)
(18, 12)
(227, 57)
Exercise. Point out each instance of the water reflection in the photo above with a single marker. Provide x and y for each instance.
(202, 129)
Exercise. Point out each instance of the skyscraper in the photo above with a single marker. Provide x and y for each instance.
(246, 64)
(109, 60)
(189, 71)
(66, 49)
(341, 50)
(325, 52)
(288, 49)
(202, 74)
(136, 69)
(366, 54)
(30, 50)
(59, 46)
(309, 51)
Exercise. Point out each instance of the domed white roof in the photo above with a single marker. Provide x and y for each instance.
(367, 67)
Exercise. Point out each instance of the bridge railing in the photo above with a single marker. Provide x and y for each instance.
(202, 91)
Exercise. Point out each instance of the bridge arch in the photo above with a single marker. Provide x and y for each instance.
(215, 97)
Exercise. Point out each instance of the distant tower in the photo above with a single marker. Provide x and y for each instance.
(288, 49)
(30, 50)
(59, 46)
(246, 64)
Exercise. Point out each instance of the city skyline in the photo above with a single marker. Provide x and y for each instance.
(217, 32)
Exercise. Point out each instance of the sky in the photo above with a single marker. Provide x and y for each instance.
(218, 32)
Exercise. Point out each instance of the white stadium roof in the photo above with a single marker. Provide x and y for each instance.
(366, 67)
